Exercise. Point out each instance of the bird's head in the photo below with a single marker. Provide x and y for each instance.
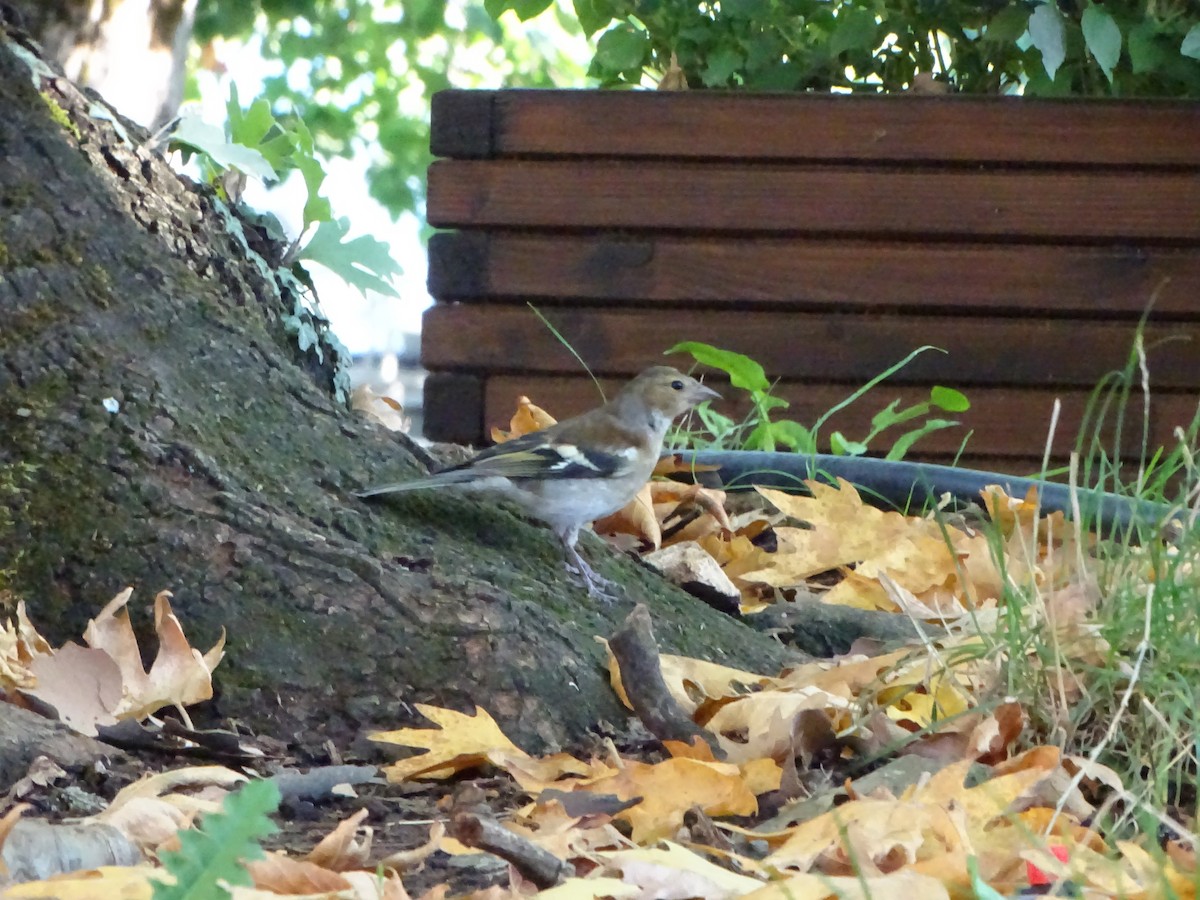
(666, 392)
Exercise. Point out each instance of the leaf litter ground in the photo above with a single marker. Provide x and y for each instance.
(888, 771)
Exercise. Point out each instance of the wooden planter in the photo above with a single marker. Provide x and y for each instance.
(825, 236)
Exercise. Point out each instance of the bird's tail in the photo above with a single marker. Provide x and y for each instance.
(441, 479)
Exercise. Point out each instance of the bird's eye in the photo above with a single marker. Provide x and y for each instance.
(677, 385)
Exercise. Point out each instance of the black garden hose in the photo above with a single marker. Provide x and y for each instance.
(903, 484)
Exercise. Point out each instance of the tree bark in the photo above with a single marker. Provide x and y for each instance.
(161, 428)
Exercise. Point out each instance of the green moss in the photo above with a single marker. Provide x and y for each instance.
(59, 115)
(4, 255)
(25, 326)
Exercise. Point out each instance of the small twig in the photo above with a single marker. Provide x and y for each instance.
(539, 866)
(641, 674)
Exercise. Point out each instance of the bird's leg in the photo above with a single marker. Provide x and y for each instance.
(594, 582)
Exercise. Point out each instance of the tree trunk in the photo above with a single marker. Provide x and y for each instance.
(161, 428)
(132, 52)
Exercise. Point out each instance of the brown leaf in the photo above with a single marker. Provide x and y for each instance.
(348, 846)
(528, 418)
(83, 685)
(283, 875)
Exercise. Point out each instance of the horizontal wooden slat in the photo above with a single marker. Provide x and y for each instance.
(827, 347)
(1100, 206)
(1010, 425)
(719, 125)
(790, 273)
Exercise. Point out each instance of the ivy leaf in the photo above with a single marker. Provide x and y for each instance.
(593, 15)
(854, 29)
(622, 48)
(1146, 53)
(1048, 34)
(1191, 42)
(210, 140)
(722, 63)
(527, 9)
(364, 262)
(1007, 25)
(1103, 38)
(495, 8)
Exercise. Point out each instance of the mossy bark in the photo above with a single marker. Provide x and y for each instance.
(225, 473)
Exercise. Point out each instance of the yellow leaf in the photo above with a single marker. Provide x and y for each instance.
(670, 788)
(846, 531)
(896, 886)
(108, 882)
(459, 742)
(527, 419)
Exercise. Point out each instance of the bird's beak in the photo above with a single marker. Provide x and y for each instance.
(702, 392)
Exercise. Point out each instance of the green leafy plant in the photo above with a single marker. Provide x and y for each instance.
(1047, 47)
(761, 431)
(214, 854)
(255, 143)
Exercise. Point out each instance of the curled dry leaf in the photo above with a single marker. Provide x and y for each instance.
(403, 860)
(385, 410)
(280, 874)
(20, 645)
(528, 418)
(152, 809)
(348, 846)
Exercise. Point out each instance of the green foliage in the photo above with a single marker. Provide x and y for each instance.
(760, 431)
(256, 143)
(1118, 48)
(213, 854)
(360, 72)
(363, 263)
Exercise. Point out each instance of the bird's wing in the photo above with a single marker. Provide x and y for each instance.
(534, 456)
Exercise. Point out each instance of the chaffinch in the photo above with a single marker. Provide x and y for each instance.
(580, 469)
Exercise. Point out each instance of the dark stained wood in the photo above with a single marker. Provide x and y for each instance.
(1007, 423)
(828, 347)
(1099, 205)
(465, 124)
(453, 407)
(781, 272)
(720, 125)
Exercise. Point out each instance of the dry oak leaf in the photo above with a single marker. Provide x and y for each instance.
(151, 810)
(348, 846)
(279, 874)
(903, 885)
(83, 685)
(20, 645)
(179, 675)
(528, 418)
(104, 883)
(762, 725)
(551, 827)
(672, 871)
(846, 531)
(694, 682)
(669, 789)
(385, 410)
(458, 742)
